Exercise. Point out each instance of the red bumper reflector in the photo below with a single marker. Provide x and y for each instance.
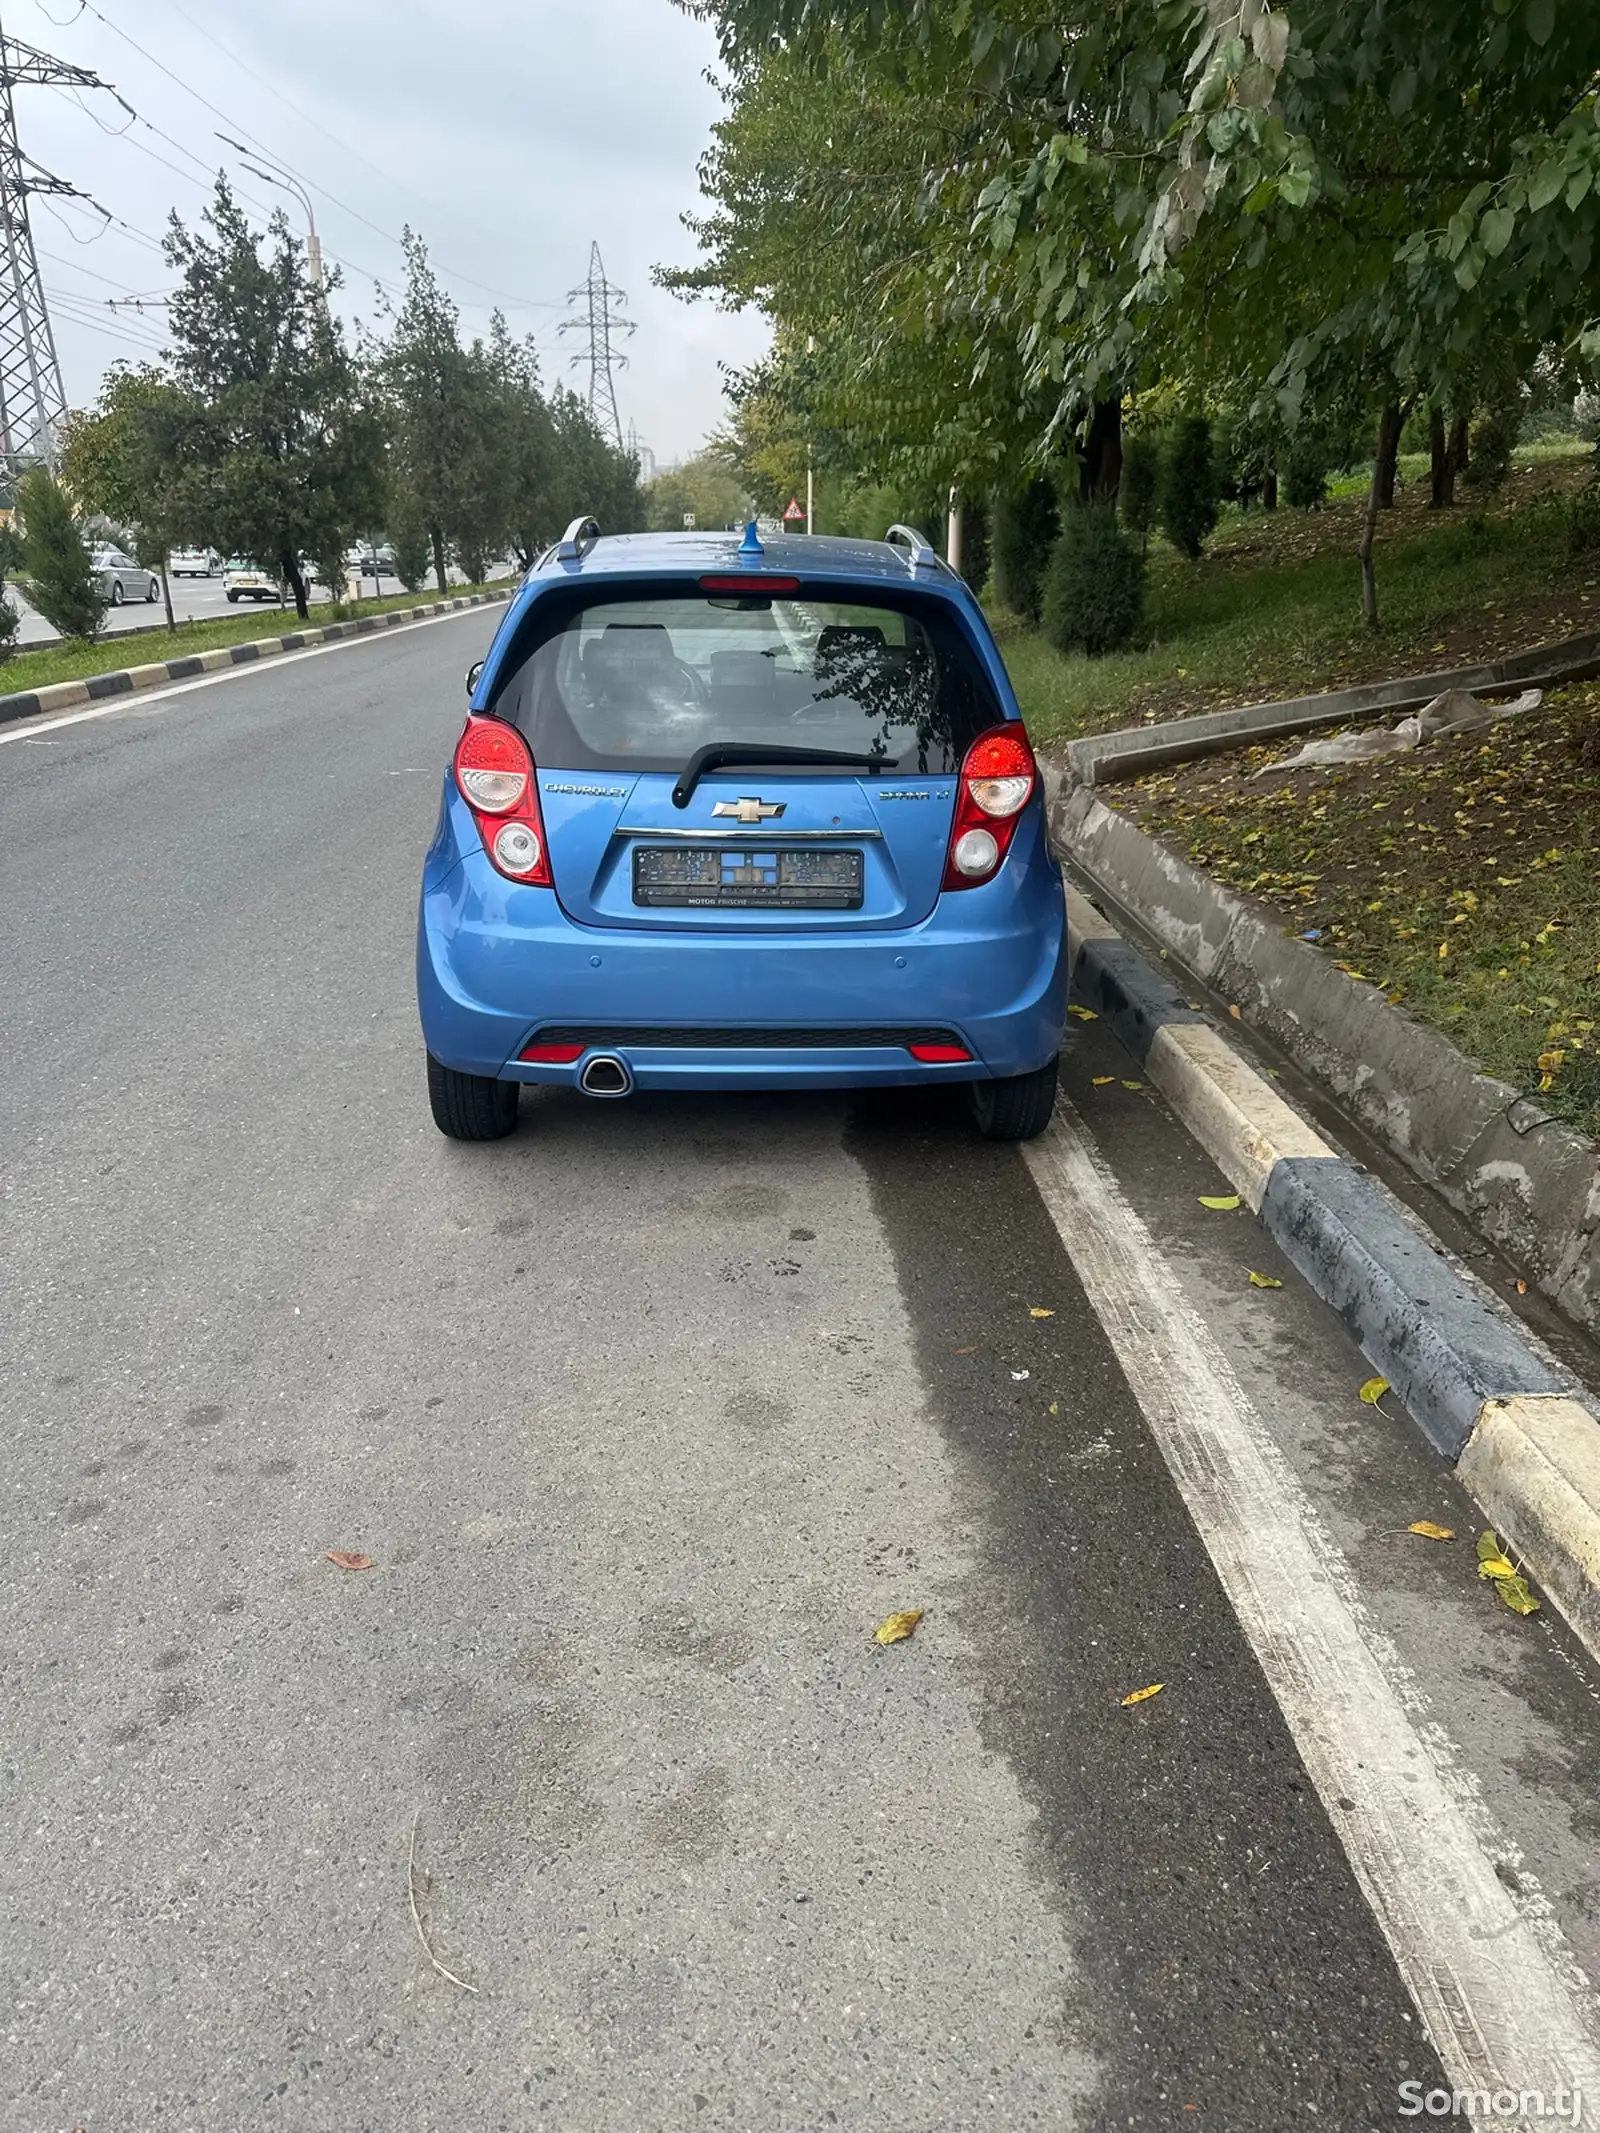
(939, 1054)
(550, 1054)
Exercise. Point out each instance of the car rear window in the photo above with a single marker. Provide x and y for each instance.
(640, 683)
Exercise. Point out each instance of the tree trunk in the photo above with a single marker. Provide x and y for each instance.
(1369, 581)
(1441, 467)
(436, 536)
(1269, 490)
(1100, 462)
(166, 595)
(1458, 450)
(294, 578)
(1390, 424)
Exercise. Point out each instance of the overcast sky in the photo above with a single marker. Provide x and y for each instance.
(511, 133)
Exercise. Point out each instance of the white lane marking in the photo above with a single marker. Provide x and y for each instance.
(1498, 1987)
(277, 663)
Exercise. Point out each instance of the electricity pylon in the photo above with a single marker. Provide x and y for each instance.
(32, 399)
(600, 319)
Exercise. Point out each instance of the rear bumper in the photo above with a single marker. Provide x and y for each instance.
(496, 962)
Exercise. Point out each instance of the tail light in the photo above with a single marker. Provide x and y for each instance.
(494, 773)
(997, 782)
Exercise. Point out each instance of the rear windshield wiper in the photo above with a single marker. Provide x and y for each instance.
(716, 753)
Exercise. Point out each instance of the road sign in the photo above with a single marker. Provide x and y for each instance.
(792, 513)
(688, 522)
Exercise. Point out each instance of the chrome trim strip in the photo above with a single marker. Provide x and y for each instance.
(753, 835)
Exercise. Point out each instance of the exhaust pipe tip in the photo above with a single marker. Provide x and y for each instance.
(606, 1075)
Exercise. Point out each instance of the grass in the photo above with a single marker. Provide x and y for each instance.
(1273, 608)
(1464, 880)
(26, 670)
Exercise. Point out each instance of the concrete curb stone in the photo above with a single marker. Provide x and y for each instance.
(123, 681)
(1523, 1433)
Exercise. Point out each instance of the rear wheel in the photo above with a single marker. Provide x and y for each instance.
(232, 599)
(1015, 1108)
(471, 1107)
(116, 592)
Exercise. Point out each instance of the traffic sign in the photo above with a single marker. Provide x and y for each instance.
(792, 513)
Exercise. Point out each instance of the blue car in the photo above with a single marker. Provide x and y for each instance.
(734, 816)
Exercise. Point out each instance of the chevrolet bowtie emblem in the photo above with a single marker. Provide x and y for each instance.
(749, 809)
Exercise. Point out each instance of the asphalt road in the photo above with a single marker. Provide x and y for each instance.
(647, 1417)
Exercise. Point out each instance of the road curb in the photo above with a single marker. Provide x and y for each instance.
(1523, 1433)
(123, 681)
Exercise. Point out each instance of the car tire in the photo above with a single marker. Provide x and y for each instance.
(471, 1107)
(1015, 1107)
(116, 592)
(152, 592)
(232, 599)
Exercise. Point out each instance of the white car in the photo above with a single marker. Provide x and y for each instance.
(192, 563)
(248, 581)
(121, 578)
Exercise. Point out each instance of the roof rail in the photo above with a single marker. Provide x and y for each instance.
(921, 555)
(578, 539)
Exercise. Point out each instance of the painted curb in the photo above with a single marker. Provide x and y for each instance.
(1101, 758)
(1525, 1179)
(123, 681)
(1523, 1433)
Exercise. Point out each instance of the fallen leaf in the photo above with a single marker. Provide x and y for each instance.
(1039, 1311)
(1133, 1084)
(1055, 1407)
(1514, 1591)
(1264, 1281)
(1496, 1566)
(1102, 1081)
(1373, 1391)
(966, 1351)
(1522, 1288)
(1143, 1695)
(1224, 1203)
(895, 1629)
(1084, 1014)
(343, 1559)
(1431, 1532)
(1235, 1014)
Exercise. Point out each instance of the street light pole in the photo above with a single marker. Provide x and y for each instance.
(287, 182)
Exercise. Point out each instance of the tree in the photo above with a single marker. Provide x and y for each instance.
(525, 441)
(1094, 586)
(117, 461)
(1186, 492)
(11, 559)
(412, 552)
(276, 453)
(436, 393)
(60, 580)
(703, 488)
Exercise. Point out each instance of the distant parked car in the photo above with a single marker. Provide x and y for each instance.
(248, 581)
(192, 563)
(121, 578)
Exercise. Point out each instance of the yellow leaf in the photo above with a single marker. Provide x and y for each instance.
(1514, 1591)
(1224, 1203)
(1133, 1084)
(1431, 1532)
(894, 1629)
(1143, 1695)
(1055, 1407)
(1373, 1391)
(1235, 1014)
(1084, 1014)
(1039, 1311)
(1103, 1081)
(1264, 1281)
(1496, 1566)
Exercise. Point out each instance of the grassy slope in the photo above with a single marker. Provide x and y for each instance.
(76, 662)
(1274, 607)
(1465, 880)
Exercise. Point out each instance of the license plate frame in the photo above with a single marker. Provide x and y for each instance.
(757, 877)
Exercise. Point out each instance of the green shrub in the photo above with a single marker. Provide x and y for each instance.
(58, 576)
(1187, 492)
(413, 555)
(1583, 517)
(1094, 587)
(1141, 479)
(1025, 526)
(1490, 443)
(1305, 473)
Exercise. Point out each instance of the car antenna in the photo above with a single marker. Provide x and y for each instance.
(751, 544)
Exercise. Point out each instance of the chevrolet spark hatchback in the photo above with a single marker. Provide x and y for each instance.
(733, 817)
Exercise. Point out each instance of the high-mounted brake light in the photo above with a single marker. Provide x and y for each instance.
(749, 582)
(494, 772)
(997, 781)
